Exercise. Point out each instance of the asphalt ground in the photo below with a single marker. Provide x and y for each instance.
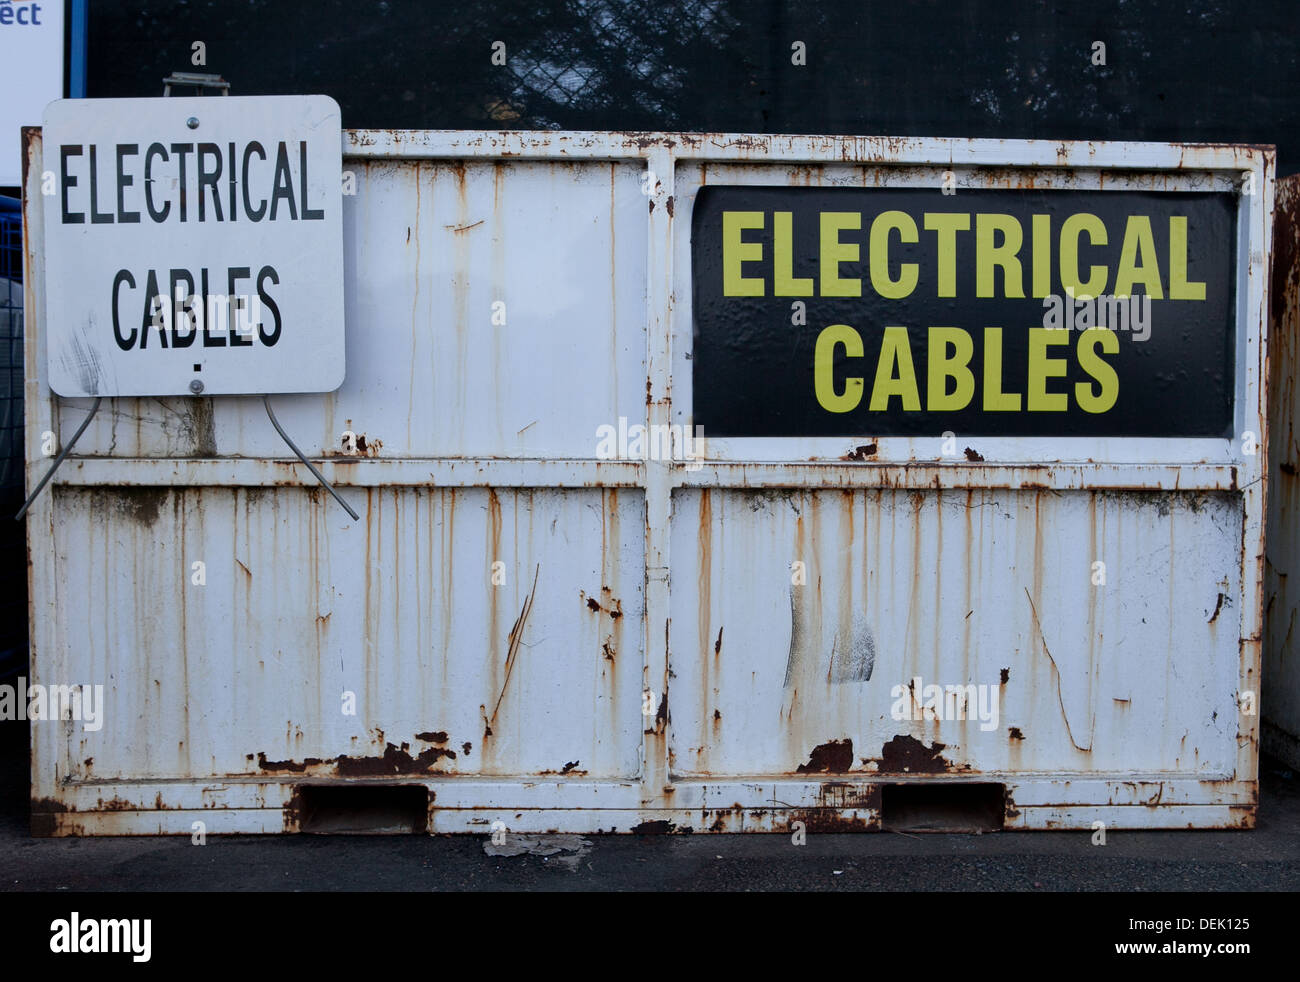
(1266, 858)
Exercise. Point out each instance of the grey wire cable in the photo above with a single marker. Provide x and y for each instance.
(266, 400)
(67, 449)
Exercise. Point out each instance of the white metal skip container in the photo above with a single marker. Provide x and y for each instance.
(853, 601)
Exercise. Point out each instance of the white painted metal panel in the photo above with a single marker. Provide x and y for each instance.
(430, 248)
(993, 588)
(245, 675)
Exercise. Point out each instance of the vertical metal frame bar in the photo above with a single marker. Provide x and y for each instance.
(41, 414)
(658, 478)
(1255, 246)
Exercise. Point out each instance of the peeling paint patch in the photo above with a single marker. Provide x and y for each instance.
(908, 755)
(835, 757)
(292, 766)
(864, 452)
(395, 760)
(654, 828)
(612, 605)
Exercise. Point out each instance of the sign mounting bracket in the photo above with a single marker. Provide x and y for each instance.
(195, 80)
(63, 454)
(266, 401)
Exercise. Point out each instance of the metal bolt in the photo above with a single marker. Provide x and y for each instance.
(196, 386)
(192, 122)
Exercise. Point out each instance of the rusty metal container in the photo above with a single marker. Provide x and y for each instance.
(1281, 696)
(521, 631)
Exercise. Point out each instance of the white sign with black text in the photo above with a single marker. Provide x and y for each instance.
(193, 245)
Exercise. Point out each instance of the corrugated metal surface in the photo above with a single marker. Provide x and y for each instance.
(645, 662)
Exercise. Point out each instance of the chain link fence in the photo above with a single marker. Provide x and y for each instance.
(13, 540)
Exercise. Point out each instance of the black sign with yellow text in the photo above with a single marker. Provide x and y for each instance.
(909, 312)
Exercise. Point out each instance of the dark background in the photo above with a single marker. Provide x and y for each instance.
(1175, 71)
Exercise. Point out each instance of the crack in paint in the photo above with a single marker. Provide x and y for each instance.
(1059, 698)
(516, 633)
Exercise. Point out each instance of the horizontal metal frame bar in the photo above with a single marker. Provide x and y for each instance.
(531, 473)
(261, 821)
(755, 792)
(350, 472)
(923, 475)
(918, 151)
